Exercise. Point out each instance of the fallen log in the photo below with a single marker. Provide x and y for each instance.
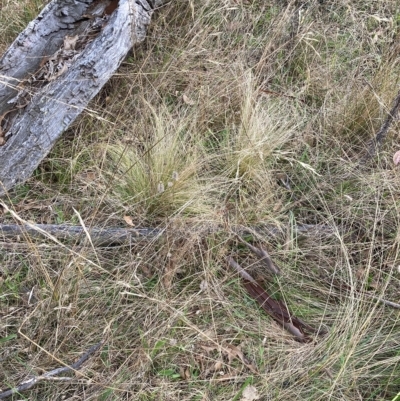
(103, 236)
(54, 68)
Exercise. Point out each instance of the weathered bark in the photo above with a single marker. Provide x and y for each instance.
(53, 104)
(119, 235)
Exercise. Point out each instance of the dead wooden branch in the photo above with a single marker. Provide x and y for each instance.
(386, 302)
(263, 255)
(242, 273)
(276, 309)
(27, 384)
(340, 285)
(54, 68)
(103, 236)
(380, 136)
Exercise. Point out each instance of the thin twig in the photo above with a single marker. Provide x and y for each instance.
(242, 273)
(26, 385)
(385, 301)
(392, 304)
(389, 303)
(263, 255)
(380, 136)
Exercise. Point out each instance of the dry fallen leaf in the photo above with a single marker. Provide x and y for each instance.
(61, 68)
(232, 352)
(208, 334)
(209, 349)
(184, 373)
(128, 220)
(188, 101)
(203, 285)
(396, 158)
(70, 42)
(250, 393)
(187, 374)
(236, 352)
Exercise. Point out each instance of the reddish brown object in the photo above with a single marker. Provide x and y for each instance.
(111, 7)
(278, 311)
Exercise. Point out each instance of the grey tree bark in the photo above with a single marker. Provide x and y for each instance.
(35, 112)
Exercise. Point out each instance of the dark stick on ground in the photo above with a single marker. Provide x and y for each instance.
(276, 309)
(26, 385)
(376, 143)
(263, 255)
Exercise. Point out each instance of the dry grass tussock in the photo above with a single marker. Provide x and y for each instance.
(231, 114)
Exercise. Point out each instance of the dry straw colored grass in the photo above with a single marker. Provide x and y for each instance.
(199, 127)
